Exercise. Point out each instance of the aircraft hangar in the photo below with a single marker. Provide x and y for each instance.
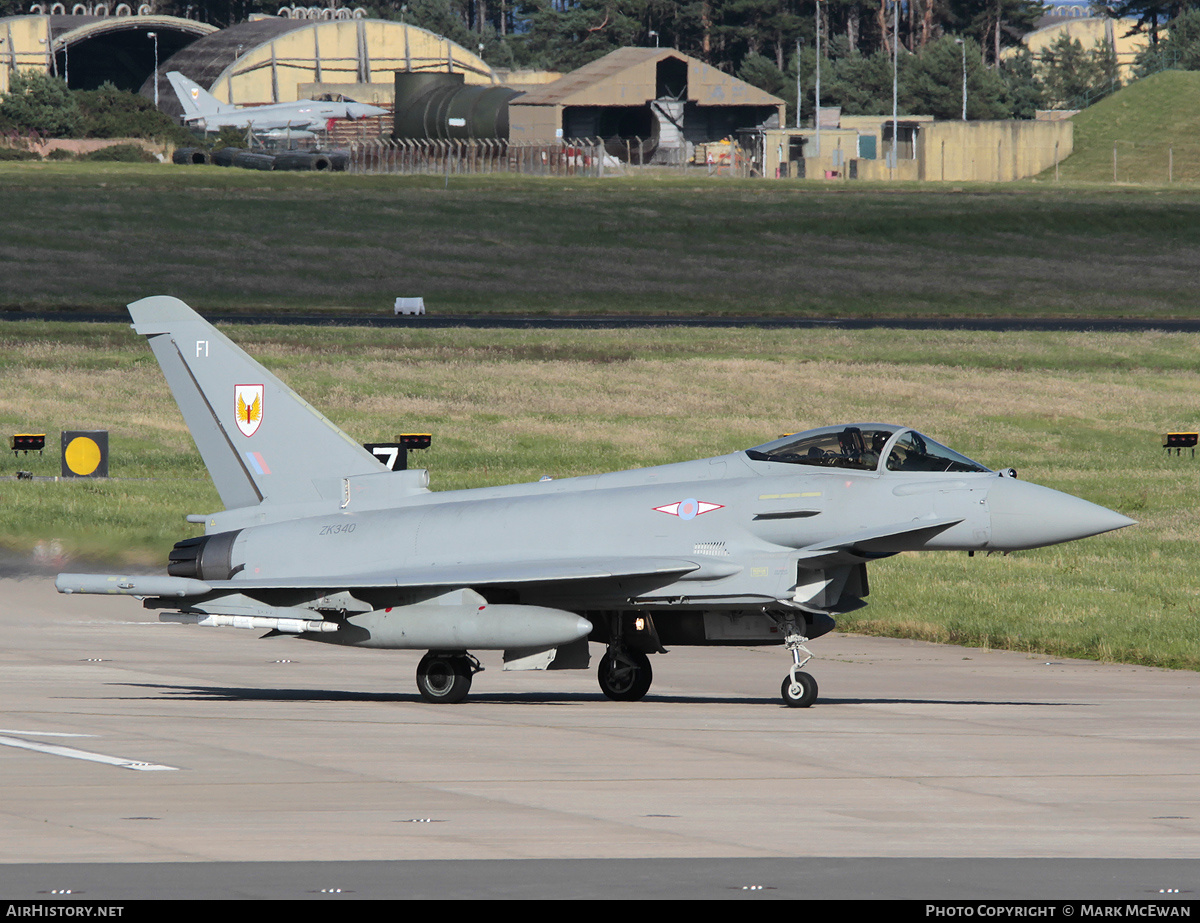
(88, 48)
(662, 97)
(269, 58)
(263, 60)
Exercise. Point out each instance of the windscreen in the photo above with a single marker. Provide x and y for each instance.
(862, 447)
(857, 447)
(914, 452)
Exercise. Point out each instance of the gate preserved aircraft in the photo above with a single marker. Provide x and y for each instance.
(203, 110)
(320, 540)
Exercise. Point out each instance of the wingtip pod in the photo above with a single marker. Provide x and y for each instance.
(130, 585)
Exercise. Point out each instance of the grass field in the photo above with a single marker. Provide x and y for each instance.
(99, 236)
(1151, 129)
(1078, 412)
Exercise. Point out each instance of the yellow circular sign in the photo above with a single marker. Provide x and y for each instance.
(82, 455)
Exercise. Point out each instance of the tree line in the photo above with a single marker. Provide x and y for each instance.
(38, 104)
(772, 44)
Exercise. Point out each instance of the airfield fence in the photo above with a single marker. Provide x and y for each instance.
(583, 157)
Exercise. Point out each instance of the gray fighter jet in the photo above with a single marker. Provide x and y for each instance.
(319, 539)
(203, 110)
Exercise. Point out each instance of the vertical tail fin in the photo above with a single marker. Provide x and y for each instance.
(197, 102)
(261, 442)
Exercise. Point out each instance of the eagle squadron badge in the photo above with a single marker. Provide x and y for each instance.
(248, 406)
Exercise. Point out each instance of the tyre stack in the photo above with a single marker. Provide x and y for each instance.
(312, 160)
(256, 160)
(224, 157)
(191, 155)
(249, 160)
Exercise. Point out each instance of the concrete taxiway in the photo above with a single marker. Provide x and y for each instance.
(125, 741)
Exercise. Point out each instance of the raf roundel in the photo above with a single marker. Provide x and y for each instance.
(689, 508)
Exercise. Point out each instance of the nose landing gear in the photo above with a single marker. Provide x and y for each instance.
(799, 689)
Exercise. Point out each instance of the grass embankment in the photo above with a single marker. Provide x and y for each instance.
(1078, 412)
(99, 236)
(1154, 127)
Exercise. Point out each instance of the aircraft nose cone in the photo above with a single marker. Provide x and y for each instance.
(1026, 515)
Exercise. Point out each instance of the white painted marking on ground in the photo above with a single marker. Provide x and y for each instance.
(72, 753)
(43, 733)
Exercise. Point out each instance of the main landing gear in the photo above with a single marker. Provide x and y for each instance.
(624, 672)
(445, 676)
(624, 675)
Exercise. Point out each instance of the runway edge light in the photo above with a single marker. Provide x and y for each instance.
(27, 442)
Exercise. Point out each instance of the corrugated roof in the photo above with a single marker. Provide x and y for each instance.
(206, 59)
(60, 24)
(611, 75)
(601, 69)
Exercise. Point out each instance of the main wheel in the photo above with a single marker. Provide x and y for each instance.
(800, 694)
(625, 676)
(443, 677)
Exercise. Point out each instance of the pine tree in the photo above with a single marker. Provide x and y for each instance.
(40, 103)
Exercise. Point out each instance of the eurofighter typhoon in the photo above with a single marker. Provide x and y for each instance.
(319, 539)
(203, 110)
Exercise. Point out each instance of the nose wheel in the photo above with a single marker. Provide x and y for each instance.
(799, 690)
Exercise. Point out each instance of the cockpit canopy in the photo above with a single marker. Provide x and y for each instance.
(865, 447)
